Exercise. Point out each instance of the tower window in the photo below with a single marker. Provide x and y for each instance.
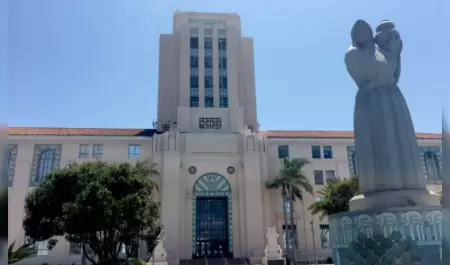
(208, 43)
(194, 43)
(207, 31)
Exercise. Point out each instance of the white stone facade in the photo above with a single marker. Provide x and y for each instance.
(202, 151)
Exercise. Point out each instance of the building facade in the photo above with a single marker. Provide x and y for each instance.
(212, 157)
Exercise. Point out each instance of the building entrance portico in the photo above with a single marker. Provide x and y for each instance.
(212, 217)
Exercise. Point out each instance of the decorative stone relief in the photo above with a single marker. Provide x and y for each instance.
(422, 225)
(39, 150)
(192, 170)
(231, 170)
(364, 236)
(12, 156)
(212, 185)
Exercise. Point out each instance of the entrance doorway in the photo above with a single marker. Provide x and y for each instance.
(212, 228)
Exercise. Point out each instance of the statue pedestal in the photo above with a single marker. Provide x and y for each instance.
(397, 198)
(273, 252)
(408, 235)
(279, 261)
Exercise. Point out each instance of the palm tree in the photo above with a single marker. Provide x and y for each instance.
(292, 181)
(336, 196)
(23, 252)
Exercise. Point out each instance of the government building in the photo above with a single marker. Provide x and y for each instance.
(211, 155)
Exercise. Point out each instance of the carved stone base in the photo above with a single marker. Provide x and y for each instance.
(409, 236)
(280, 261)
(395, 199)
(158, 263)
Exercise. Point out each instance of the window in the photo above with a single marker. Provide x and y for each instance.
(194, 82)
(209, 102)
(222, 63)
(42, 248)
(84, 151)
(134, 150)
(46, 162)
(315, 151)
(210, 123)
(291, 232)
(283, 151)
(330, 174)
(208, 43)
(325, 236)
(98, 151)
(319, 198)
(11, 165)
(318, 177)
(208, 62)
(208, 81)
(10, 159)
(223, 102)
(327, 152)
(223, 82)
(193, 63)
(354, 165)
(222, 44)
(432, 166)
(207, 31)
(194, 102)
(194, 43)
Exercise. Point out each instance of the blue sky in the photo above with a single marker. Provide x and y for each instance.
(94, 64)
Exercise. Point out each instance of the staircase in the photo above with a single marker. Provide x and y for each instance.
(216, 261)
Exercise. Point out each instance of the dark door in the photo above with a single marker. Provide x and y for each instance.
(212, 228)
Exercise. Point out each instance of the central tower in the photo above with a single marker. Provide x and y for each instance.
(206, 75)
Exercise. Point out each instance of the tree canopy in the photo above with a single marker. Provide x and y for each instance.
(291, 179)
(100, 206)
(336, 196)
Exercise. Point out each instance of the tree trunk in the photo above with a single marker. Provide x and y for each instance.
(286, 227)
(292, 232)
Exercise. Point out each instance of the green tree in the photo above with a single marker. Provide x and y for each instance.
(336, 196)
(100, 206)
(23, 252)
(291, 180)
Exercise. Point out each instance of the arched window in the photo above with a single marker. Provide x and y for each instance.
(46, 162)
(432, 167)
(355, 169)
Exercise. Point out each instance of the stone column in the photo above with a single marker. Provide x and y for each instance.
(170, 173)
(253, 199)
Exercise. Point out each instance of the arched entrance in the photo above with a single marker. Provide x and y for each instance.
(211, 217)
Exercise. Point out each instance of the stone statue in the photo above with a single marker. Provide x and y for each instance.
(385, 140)
(273, 250)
